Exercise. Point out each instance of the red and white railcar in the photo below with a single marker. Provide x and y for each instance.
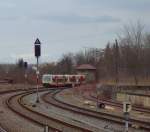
(50, 80)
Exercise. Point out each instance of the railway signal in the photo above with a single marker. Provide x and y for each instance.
(37, 48)
(25, 74)
(126, 109)
(25, 65)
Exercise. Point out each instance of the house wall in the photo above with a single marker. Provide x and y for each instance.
(90, 75)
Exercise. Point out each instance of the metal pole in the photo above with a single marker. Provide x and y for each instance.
(97, 100)
(126, 121)
(25, 75)
(126, 126)
(46, 129)
(37, 79)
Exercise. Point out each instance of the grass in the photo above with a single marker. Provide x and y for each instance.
(127, 82)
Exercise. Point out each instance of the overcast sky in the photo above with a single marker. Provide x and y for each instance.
(63, 25)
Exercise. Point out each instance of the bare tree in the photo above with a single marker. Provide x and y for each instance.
(108, 60)
(132, 44)
(116, 60)
(65, 65)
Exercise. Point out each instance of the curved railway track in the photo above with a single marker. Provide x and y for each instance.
(6, 92)
(2, 129)
(20, 112)
(50, 98)
(16, 105)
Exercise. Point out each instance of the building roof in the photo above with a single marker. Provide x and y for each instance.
(85, 67)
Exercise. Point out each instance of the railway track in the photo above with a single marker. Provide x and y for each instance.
(3, 126)
(118, 104)
(15, 104)
(50, 98)
(2, 129)
(6, 92)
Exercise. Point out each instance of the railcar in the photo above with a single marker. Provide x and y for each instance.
(50, 80)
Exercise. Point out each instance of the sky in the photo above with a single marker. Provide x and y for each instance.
(64, 26)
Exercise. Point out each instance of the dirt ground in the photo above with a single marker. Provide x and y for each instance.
(5, 87)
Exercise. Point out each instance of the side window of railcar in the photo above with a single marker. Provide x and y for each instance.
(72, 79)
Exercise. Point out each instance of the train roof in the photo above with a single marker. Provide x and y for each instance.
(85, 67)
(63, 75)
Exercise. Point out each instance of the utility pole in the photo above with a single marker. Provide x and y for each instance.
(37, 47)
(116, 60)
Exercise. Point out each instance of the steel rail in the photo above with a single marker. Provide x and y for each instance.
(119, 104)
(42, 116)
(2, 129)
(51, 99)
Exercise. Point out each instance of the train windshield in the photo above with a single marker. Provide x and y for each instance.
(46, 78)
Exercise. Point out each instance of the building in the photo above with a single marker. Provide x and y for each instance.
(88, 70)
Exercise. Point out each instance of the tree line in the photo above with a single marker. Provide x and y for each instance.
(125, 58)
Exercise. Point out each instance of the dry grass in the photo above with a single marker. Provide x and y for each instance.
(127, 81)
(4, 87)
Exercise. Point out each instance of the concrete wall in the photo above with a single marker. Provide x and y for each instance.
(139, 95)
(135, 99)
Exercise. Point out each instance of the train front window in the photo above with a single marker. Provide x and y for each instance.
(46, 78)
